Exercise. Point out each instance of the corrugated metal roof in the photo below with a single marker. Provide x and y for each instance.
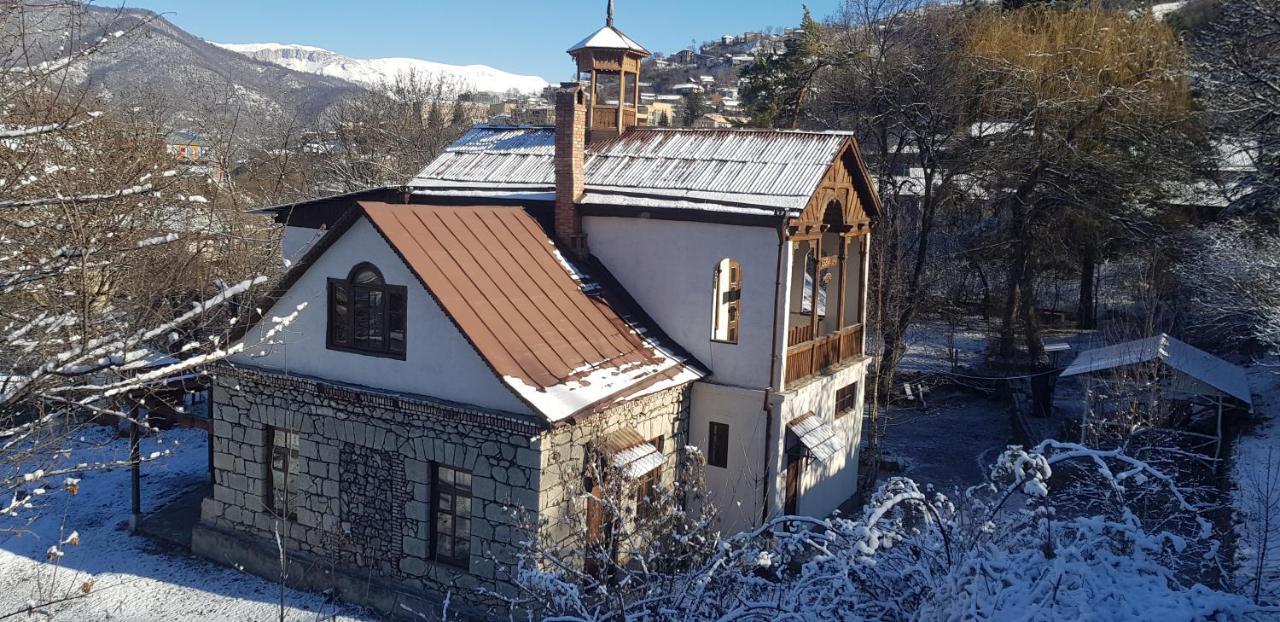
(816, 435)
(772, 168)
(1183, 358)
(535, 318)
(630, 453)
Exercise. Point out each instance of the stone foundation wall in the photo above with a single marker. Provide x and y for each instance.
(363, 480)
(364, 476)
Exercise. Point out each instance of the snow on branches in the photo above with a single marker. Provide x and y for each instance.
(914, 554)
(1233, 284)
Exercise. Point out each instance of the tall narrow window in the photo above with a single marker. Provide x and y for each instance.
(718, 445)
(451, 516)
(366, 315)
(282, 473)
(728, 298)
(824, 277)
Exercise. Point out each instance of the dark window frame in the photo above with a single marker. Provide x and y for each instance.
(718, 444)
(846, 399)
(391, 315)
(289, 457)
(454, 491)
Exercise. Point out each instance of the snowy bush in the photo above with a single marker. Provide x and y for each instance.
(1233, 282)
(999, 551)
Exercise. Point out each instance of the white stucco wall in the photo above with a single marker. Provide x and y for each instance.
(735, 490)
(823, 486)
(297, 240)
(439, 361)
(669, 268)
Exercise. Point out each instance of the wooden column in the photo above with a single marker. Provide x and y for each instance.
(591, 104)
(863, 246)
(636, 101)
(844, 280)
(622, 96)
(813, 303)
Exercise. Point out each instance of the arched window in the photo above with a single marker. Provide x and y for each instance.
(728, 295)
(365, 314)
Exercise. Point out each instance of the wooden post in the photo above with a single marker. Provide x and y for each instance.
(636, 101)
(622, 95)
(864, 245)
(813, 304)
(844, 280)
(591, 105)
(135, 474)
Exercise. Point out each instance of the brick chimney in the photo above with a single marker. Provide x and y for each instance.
(570, 159)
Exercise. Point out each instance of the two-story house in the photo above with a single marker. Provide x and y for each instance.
(535, 296)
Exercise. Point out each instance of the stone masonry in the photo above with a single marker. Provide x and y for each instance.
(363, 477)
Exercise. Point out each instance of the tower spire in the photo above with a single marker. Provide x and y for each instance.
(609, 21)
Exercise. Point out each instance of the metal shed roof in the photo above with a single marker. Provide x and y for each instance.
(777, 169)
(1181, 357)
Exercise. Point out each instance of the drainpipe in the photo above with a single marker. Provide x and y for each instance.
(773, 365)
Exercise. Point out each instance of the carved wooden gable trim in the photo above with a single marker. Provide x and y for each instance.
(847, 182)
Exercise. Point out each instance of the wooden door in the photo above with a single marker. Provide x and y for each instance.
(596, 535)
(792, 501)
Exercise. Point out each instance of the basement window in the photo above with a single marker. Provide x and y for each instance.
(367, 316)
(728, 298)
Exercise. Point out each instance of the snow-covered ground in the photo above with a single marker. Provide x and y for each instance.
(1255, 470)
(133, 577)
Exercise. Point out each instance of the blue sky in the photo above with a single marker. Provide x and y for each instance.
(522, 36)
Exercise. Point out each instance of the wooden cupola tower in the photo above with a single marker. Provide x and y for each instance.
(609, 62)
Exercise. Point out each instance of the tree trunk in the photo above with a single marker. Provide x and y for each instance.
(1086, 312)
(1031, 324)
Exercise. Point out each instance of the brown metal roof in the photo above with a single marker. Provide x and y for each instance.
(527, 311)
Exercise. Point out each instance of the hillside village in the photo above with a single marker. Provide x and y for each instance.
(909, 312)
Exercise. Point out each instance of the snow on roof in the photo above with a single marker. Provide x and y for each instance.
(609, 38)
(1181, 357)
(766, 168)
(816, 435)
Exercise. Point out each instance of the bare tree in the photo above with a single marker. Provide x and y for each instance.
(117, 263)
(387, 135)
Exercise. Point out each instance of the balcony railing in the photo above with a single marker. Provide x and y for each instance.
(811, 356)
(604, 117)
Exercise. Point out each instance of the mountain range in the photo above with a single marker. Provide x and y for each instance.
(376, 71)
(159, 67)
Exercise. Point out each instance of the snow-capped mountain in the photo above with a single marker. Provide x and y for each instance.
(373, 71)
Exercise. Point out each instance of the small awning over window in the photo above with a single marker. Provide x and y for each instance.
(630, 453)
(816, 435)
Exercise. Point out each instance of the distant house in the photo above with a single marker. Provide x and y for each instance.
(537, 300)
(189, 146)
(716, 120)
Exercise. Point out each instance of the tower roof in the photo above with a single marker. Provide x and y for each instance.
(609, 38)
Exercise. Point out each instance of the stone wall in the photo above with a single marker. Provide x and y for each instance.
(363, 476)
(363, 479)
(663, 413)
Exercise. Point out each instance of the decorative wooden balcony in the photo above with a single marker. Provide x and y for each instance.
(807, 356)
